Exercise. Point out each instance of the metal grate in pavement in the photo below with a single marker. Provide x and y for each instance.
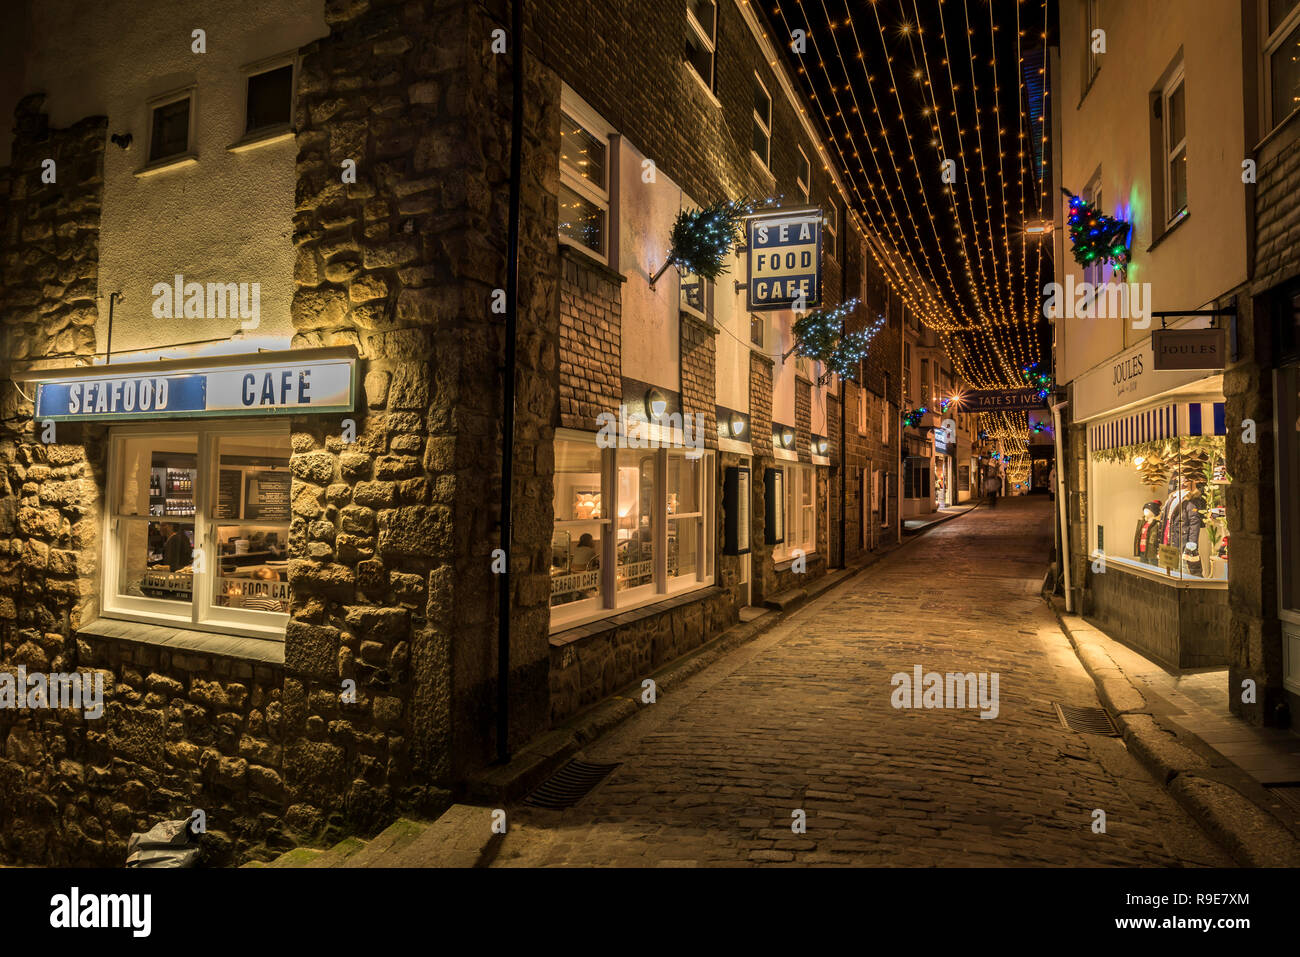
(1086, 720)
(1288, 793)
(569, 785)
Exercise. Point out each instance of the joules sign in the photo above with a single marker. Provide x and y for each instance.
(179, 390)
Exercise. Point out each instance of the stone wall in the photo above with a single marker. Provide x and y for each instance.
(699, 352)
(591, 340)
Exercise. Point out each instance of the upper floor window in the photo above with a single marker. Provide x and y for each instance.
(1092, 194)
(170, 123)
(762, 144)
(864, 405)
(269, 104)
(831, 223)
(701, 37)
(1092, 23)
(803, 178)
(1174, 120)
(1282, 60)
(584, 181)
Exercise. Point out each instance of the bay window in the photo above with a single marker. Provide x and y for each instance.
(631, 525)
(197, 528)
(1281, 61)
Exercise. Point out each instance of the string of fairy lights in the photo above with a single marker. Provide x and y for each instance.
(961, 259)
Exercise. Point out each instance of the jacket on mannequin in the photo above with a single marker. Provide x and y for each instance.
(1146, 540)
(1180, 524)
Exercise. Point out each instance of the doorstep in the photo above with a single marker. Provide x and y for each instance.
(1210, 763)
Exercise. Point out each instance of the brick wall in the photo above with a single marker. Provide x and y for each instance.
(699, 352)
(591, 332)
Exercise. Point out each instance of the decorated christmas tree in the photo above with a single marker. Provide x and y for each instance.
(1095, 237)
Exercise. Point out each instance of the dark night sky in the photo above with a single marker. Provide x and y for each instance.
(900, 86)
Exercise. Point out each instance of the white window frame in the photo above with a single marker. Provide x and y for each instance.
(884, 422)
(796, 477)
(1170, 151)
(190, 155)
(612, 602)
(803, 176)
(203, 615)
(831, 224)
(1092, 194)
(1271, 43)
(710, 42)
(864, 404)
(576, 109)
(280, 131)
(763, 124)
(1092, 61)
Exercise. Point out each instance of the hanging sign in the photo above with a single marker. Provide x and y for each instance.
(268, 383)
(735, 505)
(1001, 400)
(1190, 348)
(784, 258)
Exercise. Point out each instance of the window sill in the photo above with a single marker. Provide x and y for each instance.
(278, 134)
(588, 260)
(785, 564)
(704, 86)
(1158, 574)
(566, 633)
(1168, 230)
(171, 162)
(264, 650)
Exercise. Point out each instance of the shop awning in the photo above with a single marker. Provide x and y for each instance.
(1167, 421)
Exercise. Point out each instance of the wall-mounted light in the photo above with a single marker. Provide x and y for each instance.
(656, 404)
(737, 424)
(822, 446)
(787, 436)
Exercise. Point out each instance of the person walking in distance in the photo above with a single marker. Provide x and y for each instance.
(992, 486)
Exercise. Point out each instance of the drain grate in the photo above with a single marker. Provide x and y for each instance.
(569, 785)
(1086, 720)
(1288, 793)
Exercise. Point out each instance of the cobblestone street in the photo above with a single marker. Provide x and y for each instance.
(801, 719)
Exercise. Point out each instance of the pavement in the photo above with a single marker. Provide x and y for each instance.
(788, 750)
(780, 743)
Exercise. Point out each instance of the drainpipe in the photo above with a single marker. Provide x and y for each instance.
(844, 436)
(508, 403)
(1061, 506)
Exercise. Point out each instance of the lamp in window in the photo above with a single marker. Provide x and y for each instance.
(656, 404)
(737, 425)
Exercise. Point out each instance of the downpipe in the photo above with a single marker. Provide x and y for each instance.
(1062, 510)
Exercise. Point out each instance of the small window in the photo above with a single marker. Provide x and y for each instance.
(1092, 23)
(270, 100)
(169, 130)
(864, 405)
(1175, 127)
(804, 177)
(756, 325)
(584, 185)
(762, 144)
(701, 37)
(1282, 60)
(830, 222)
(694, 295)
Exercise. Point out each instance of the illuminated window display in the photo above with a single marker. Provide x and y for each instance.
(1160, 503)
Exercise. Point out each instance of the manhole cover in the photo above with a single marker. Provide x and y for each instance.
(1086, 720)
(569, 785)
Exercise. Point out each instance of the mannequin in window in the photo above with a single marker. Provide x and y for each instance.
(1146, 542)
(1180, 520)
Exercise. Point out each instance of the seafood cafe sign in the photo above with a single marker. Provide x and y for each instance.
(267, 383)
(784, 256)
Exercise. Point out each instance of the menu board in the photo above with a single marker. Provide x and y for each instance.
(228, 494)
(266, 496)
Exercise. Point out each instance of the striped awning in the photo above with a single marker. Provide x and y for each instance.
(1171, 420)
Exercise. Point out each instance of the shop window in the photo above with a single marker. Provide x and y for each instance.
(1158, 490)
(916, 477)
(630, 525)
(584, 181)
(701, 38)
(1281, 60)
(762, 141)
(270, 100)
(198, 529)
(798, 502)
(169, 128)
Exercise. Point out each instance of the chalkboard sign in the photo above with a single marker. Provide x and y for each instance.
(227, 494)
(266, 496)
